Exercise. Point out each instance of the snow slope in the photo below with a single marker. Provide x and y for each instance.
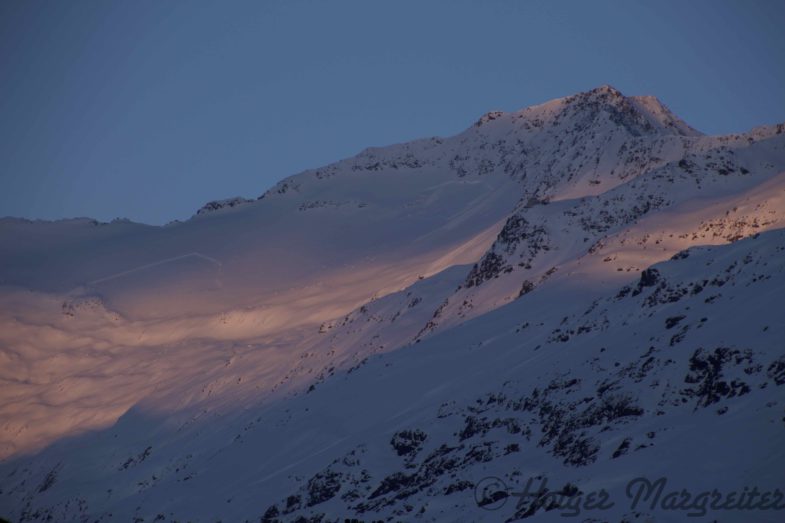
(586, 290)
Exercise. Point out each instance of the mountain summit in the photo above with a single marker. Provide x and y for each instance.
(638, 114)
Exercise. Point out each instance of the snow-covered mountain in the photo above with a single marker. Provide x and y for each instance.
(584, 291)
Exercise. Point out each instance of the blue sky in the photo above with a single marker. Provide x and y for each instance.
(148, 109)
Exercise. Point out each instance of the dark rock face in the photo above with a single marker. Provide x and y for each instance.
(217, 205)
(408, 442)
(491, 266)
(526, 288)
(649, 278)
(709, 385)
(323, 486)
(776, 371)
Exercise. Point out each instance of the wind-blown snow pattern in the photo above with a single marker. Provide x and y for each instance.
(577, 294)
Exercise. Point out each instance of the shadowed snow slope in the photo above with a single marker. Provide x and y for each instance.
(588, 290)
